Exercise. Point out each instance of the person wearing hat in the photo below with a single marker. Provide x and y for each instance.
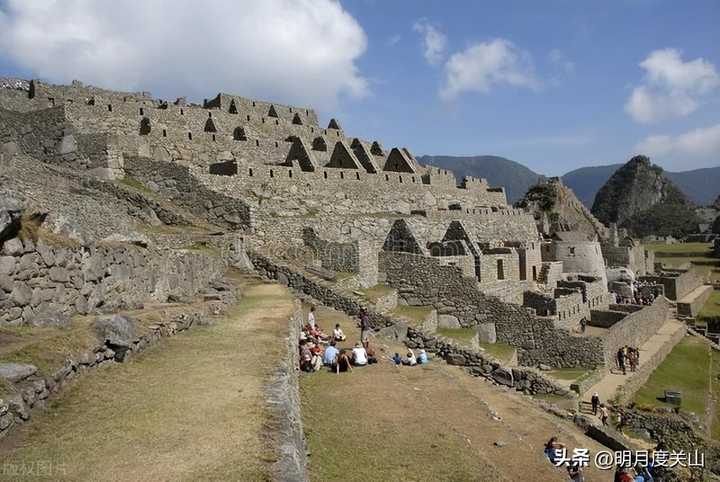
(595, 401)
(360, 357)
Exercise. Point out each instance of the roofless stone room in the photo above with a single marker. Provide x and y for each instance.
(335, 240)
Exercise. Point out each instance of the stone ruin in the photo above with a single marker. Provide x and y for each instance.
(323, 199)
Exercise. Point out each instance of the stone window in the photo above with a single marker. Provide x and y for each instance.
(190, 135)
(289, 172)
(500, 270)
(213, 137)
(325, 174)
(239, 134)
(572, 250)
(534, 269)
(210, 114)
(272, 174)
(257, 143)
(276, 144)
(248, 118)
(277, 122)
(413, 179)
(145, 126)
(233, 108)
(164, 132)
(357, 176)
(250, 173)
(387, 178)
(400, 179)
(109, 107)
(342, 175)
(142, 111)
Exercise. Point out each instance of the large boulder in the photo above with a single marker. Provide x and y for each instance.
(15, 372)
(503, 376)
(487, 333)
(117, 331)
(448, 321)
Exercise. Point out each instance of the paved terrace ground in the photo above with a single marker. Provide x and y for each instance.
(425, 423)
(190, 408)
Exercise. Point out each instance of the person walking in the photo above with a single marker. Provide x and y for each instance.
(364, 328)
(621, 359)
(604, 415)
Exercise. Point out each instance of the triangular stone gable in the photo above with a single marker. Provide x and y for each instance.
(376, 149)
(343, 157)
(210, 125)
(319, 144)
(272, 112)
(397, 161)
(297, 120)
(400, 238)
(333, 124)
(363, 155)
(300, 152)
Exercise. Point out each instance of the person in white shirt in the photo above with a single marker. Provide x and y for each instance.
(410, 360)
(311, 317)
(359, 355)
(338, 334)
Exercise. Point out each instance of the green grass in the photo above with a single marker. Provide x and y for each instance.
(376, 292)
(715, 424)
(699, 249)
(461, 335)
(685, 369)
(711, 307)
(501, 351)
(571, 374)
(412, 313)
(135, 184)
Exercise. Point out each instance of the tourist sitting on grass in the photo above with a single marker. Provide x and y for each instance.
(552, 450)
(360, 357)
(330, 356)
(305, 357)
(422, 357)
(410, 360)
(344, 363)
(317, 356)
(397, 359)
(315, 333)
(338, 334)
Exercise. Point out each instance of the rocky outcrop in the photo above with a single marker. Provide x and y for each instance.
(640, 198)
(556, 208)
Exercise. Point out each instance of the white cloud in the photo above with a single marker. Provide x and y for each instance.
(696, 148)
(485, 65)
(671, 87)
(300, 51)
(434, 41)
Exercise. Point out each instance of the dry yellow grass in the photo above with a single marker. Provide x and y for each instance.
(191, 408)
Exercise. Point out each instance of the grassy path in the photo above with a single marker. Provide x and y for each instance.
(191, 408)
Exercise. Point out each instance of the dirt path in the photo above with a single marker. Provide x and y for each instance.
(608, 385)
(191, 408)
(434, 422)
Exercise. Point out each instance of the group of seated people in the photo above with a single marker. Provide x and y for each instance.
(313, 357)
(410, 359)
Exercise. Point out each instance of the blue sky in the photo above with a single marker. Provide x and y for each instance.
(555, 85)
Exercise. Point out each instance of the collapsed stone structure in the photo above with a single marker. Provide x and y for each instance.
(321, 198)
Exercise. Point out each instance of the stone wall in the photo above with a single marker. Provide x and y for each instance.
(422, 280)
(284, 394)
(690, 307)
(32, 389)
(677, 284)
(637, 379)
(526, 380)
(636, 328)
(178, 184)
(577, 257)
(43, 283)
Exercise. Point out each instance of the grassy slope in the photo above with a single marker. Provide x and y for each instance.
(685, 369)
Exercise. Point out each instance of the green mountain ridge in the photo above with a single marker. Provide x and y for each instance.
(701, 186)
